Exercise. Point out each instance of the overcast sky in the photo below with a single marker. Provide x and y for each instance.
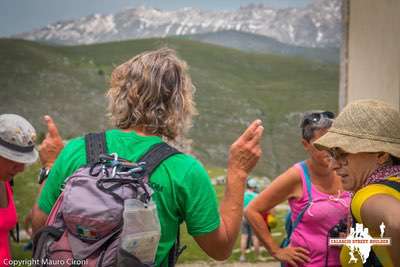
(24, 15)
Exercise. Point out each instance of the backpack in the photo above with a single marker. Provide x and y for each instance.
(85, 224)
(289, 225)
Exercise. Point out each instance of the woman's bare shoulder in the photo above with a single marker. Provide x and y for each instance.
(289, 182)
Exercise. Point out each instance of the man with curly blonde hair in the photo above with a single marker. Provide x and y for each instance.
(151, 101)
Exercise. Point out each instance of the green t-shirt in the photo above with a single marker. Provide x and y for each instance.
(248, 197)
(183, 190)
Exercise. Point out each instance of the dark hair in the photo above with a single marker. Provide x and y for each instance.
(395, 160)
(314, 121)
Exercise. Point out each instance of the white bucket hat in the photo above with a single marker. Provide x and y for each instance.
(17, 139)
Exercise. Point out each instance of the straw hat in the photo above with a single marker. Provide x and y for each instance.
(364, 126)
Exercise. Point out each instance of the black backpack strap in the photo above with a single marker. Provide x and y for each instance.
(157, 154)
(40, 241)
(393, 184)
(14, 233)
(95, 146)
(372, 260)
(176, 250)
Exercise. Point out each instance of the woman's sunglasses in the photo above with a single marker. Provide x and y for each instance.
(315, 117)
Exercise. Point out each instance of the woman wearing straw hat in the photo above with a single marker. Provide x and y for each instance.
(364, 140)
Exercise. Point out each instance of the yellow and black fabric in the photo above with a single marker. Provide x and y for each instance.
(379, 255)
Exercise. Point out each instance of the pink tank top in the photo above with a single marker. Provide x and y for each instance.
(8, 219)
(323, 214)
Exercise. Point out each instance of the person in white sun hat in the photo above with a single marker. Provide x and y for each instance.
(17, 148)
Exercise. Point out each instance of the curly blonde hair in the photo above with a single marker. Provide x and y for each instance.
(152, 91)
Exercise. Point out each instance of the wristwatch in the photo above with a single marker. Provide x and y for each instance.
(43, 174)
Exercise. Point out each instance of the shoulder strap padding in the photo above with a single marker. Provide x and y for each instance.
(95, 146)
(153, 158)
(157, 154)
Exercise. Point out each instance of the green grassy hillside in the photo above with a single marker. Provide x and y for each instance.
(233, 88)
(250, 42)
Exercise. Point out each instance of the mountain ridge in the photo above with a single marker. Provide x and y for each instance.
(249, 42)
(316, 25)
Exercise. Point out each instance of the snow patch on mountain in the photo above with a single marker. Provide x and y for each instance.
(316, 25)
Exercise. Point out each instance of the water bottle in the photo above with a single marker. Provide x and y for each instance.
(141, 230)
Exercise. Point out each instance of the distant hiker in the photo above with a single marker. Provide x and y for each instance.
(365, 143)
(316, 199)
(17, 148)
(247, 233)
(151, 100)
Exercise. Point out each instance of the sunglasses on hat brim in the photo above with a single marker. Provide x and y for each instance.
(315, 117)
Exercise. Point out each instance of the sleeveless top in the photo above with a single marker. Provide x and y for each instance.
(324, 213)
(8, 219)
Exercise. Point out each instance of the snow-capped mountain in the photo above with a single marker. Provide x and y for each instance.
(316, 25)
